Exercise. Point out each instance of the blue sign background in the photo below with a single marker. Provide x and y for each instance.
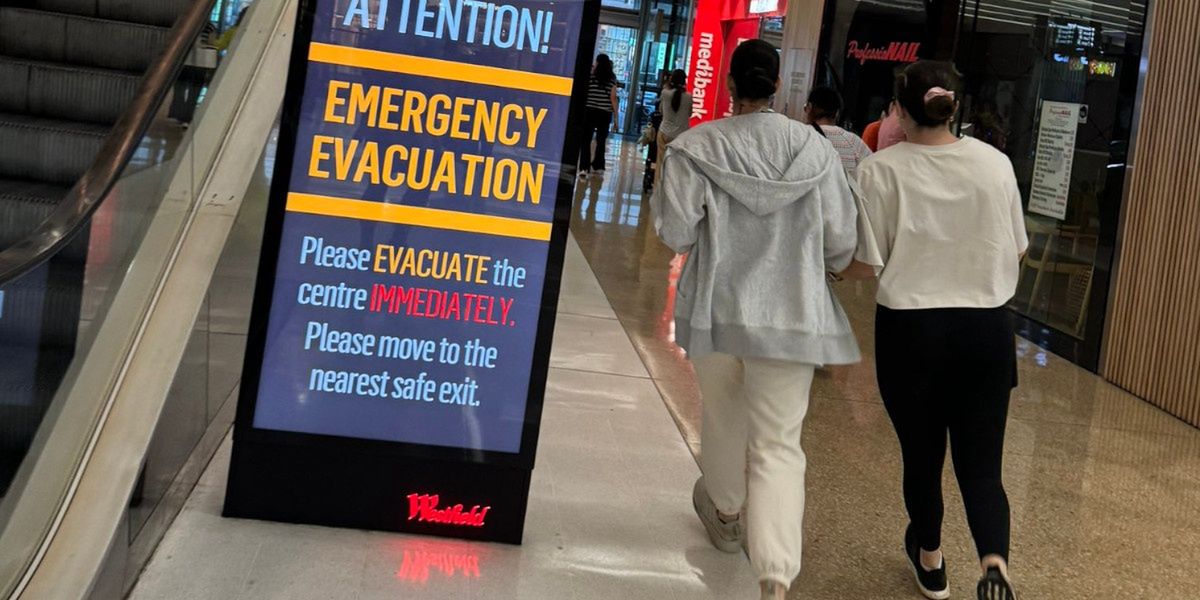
(285, 401)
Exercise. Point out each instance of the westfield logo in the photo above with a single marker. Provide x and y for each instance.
(902, 52)
(424, 508)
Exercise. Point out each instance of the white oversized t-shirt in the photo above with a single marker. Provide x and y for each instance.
(947, 222)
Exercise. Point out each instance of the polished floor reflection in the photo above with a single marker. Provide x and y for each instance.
(608, 516)
(1105, 488)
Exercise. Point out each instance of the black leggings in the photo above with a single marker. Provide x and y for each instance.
(950, 371)
(597, 123)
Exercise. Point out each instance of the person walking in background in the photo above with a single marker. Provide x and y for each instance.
(870, 134)
(598, 117)
(676, 106)
(945, 216)
(891, 130)
(761, 205)
(823, 109)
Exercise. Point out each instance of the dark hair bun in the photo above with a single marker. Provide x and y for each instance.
(913, 86)
(754, 69)
(941, 108)
(826, 102)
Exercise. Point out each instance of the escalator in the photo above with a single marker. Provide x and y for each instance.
(125, 157)
(70, 69)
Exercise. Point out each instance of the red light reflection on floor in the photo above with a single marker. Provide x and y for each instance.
(103, 225)
(423, 559)
(666, 321)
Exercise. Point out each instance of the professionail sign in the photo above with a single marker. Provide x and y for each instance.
(406, 296)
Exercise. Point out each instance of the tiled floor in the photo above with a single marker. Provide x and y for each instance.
(609, 515)
(1105, 489)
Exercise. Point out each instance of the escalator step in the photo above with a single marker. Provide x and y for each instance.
(63, 91)
(85, 41)
(50, 150)
(149, 12)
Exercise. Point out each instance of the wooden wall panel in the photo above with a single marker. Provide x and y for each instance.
(1153, 344)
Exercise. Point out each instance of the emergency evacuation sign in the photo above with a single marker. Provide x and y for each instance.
(406, 296)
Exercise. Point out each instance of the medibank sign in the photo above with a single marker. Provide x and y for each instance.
(704, 97)
(719, 26)
(708, 43)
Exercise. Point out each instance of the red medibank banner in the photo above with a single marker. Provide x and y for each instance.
(708, 50)
(736, 32)
(719, 28)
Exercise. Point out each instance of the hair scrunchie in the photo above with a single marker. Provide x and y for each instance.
(938, 92)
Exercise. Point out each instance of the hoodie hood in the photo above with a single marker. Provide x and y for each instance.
(764, 161)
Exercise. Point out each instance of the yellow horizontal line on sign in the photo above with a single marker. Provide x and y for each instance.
(435, 218)
(439, 69)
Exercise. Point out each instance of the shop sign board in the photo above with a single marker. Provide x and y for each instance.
(409, 278)
(893, 52)
(1055, 158)
(708, 52)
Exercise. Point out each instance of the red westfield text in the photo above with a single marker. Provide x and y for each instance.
(424, 508)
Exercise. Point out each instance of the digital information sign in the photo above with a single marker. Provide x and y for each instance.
(401, 330)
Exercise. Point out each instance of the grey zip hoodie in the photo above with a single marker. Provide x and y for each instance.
(760, 204)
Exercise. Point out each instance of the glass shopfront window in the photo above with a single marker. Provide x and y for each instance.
(864, 45)
(664, 45)
(620, 44)
(1052, 84)
(644, 38)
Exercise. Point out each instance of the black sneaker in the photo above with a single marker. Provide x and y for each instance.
(994, 586)
(932, 584)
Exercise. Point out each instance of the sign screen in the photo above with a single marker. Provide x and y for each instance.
(419, 208)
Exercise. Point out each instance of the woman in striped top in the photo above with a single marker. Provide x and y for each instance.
(823, 108)
(598, 118)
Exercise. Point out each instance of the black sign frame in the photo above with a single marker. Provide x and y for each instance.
(361, 483)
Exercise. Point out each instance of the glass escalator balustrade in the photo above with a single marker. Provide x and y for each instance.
(65, 102)
(65, 99)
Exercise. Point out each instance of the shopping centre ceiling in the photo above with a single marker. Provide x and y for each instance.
(1120, 15)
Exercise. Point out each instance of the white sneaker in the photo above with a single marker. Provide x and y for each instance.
(727, 537)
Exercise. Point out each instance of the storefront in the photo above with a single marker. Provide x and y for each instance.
(717, 30)
(643, 38)
(1052, 85)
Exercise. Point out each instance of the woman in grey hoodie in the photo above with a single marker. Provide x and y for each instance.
(761, 206)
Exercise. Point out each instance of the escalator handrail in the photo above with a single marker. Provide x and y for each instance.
(86, 196)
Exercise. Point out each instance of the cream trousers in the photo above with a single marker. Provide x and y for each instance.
(751, 456)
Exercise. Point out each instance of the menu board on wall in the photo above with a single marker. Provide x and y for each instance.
(407, 288)
(1055, 157)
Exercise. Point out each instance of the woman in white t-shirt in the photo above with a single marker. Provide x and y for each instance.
(946, 236)
(676, 107)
